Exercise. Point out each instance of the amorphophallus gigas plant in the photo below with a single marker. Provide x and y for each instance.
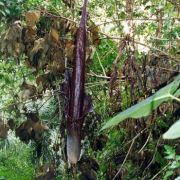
(75, 115)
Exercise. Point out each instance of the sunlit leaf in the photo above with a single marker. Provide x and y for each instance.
(173, 132)
(177, 93)
(145, 107)
(178, 178)
(1, 4)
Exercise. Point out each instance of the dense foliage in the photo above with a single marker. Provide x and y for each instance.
(132, 89)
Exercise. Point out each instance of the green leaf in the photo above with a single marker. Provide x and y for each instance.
(178, 178)
(1, 4)
(170, 153)
(178, 157)
(174, 165)
(173, 132)
(170, 150)
(7, 11)
(145, 107)
(168, 174)
(177, 93)
(2, 12)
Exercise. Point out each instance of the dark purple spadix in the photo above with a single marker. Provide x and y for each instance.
(75, 110)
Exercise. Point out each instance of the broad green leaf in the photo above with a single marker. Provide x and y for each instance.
(1, 4)
(177, 93)
(178, 178)
(7, 11)
(173, 132)
(178, 158)
(145, 107)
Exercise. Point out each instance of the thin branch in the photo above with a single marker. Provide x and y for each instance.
(156, 148)
(27, 101)
(98, 82)
(164, 53)
(23, 102)
(163, 169)
(161, 39)
(133, 140)
(111, 49)
(45, 102)
(171, 70)
(124, 159)
(94, 85)
(174, 3)
(98, 76)
(104, 72)
(148, 46)
(145, 142)
(137, 135)
(122, 20)
(48, 14)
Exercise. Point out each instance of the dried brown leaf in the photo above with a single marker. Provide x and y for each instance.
(32, 17)
(54, 35)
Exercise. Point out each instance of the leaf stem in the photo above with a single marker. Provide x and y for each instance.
(175, 98)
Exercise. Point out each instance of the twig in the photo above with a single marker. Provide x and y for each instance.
(104, 72)
(161, 39)
(23, 102)
(124, 159)
(94, 85)
(121, 20)
(114, 73)
(98, 76)
(171, 70)
(153, 155)
(48, 14)
(111, 49)
(148, 46)
(98, 82)
(110, 37)
(145, 142)
(133, 140)
(138, 134)
(45, 102)
(174, 3)
(27, 101)
(165, 167)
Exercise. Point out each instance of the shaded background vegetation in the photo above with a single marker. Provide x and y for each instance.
(133, 51)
